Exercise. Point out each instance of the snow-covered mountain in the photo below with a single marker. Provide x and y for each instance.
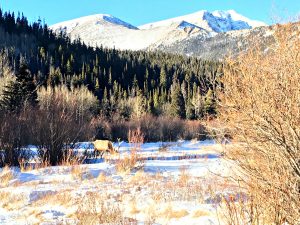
(104, 20)
(217, 21)
(111, 32)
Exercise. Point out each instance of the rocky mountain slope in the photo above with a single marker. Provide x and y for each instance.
(221, 45)
(203, 34)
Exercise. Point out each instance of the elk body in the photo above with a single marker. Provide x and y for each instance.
(103, 146)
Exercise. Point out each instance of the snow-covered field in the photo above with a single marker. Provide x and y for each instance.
(178, 183)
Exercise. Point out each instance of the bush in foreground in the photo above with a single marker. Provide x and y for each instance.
(261, 105)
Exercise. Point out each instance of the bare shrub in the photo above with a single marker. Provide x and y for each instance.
(194, 129)
(260, 104)
(133, 160)
(235, 209)
(119, 129)
(170, 128)
(70, 158)
(103, 129)
(14, 135)
(150, 126)
(64, 118)
(154, 128)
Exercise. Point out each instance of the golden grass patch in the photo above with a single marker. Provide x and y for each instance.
(80, 172)
(93, 210)
(102, 178)
(6, 176)
(200, 213)
(11, 201)
(170, 213)
(133, 208)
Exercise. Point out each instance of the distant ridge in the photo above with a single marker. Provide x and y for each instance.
(112, 32)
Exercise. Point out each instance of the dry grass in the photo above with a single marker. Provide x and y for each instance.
(139, 178)
(133, 208)
(184, 177)
(165, 189)
(25, 167)
(127, 164)
(157, 197)
(80, 172)
(6, 176)
(102, 206)
(10, 201)
(70, 159)
(200, 213)
(152, 214)
(132, 161)
(4, 198)
(62, 198)
(170, 213)
(102, 178)
(93, 210)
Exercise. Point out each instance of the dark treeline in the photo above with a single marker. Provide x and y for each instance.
(158, 83)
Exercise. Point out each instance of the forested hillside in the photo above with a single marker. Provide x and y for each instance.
(127, 84)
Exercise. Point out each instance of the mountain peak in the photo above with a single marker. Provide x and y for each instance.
(97, 19)
(216, 21)
(235, 16)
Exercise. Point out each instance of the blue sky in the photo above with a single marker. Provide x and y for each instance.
(138, 12)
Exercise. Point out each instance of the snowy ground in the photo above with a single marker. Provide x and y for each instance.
(178, 184)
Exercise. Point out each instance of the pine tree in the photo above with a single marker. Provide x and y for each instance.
(20, 92)
(105, 107)
(177, 102)
(69, 67)
(190, 111)
(209, 103)
(139, 105)
(55, 77)
(163, 78)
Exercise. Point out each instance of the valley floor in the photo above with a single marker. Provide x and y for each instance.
(177, 183)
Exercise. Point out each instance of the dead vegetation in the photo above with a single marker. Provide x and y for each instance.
(11, 201)
(132, 161)
(6, 175)
(200, 213)
(260, 104)
(94, 210)
(170, 213)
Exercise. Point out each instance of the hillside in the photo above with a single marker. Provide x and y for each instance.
(113, 76)
(221, 45)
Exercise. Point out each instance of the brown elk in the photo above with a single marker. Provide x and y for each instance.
(103, 146)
